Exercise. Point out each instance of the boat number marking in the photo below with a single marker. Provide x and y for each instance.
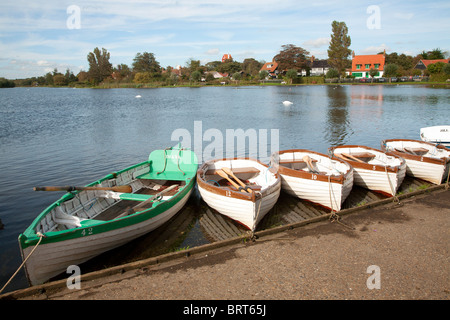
(374, 168)
(89, 231)
(314, 177)
(228, 193)
(421, 158)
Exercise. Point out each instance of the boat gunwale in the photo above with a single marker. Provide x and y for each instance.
(440, 161)
(228, 192)
(372, 167)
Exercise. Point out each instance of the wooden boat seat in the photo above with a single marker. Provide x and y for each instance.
(235, 170)
(253, 187)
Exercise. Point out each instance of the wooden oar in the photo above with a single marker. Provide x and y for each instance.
(352, 157)
(122, 189)
(229, 172)
(309, 163)
(224, 175)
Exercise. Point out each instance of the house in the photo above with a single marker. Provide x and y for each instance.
(217, 75)
(362, 64)
(272, 68)
(317, 67)
(226, 57)
(423, 63)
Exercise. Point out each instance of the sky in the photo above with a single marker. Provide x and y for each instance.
(38, 36)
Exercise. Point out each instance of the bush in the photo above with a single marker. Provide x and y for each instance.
(332, 73)
(5, 83)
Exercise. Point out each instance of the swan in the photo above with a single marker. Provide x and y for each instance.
(138, 96)
(287, 103)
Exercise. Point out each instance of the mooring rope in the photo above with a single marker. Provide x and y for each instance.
(178, 163)
(165, 161)
(24, 261)
(448, 177)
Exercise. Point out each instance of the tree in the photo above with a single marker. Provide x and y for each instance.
(99, 65)
(229, 66)
(263, 74)
(390, 70)
(372, 73)
(435, 67)
(146, 62)
(196, 76)
(291, 75)
(332, 73)
(446, 68)
(251, 66)
(338, 51)
(292, 57)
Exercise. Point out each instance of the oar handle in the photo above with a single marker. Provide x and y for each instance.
(229, 172)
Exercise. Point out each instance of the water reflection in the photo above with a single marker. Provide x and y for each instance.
(337, 122)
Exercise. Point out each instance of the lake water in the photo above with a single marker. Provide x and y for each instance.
(65, 136)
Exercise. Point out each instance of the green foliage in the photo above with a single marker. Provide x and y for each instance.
(332, 73)
(99, 65)
(446, 68)
(338, 51)
(390, 70)
(291, 57)
(5, 83)
(146, 62)
(196, 76)
(143, 77)
(435, 67)
(434, 54)
(263, 74)
(312, 80)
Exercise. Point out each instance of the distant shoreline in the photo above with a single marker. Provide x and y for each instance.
(156, 86)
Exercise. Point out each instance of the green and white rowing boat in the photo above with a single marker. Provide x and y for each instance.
(88, 221)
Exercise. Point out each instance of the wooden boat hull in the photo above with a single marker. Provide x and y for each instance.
(432, 166)
(77, 244)
(328, 189)
(245, 208)
(383, 173)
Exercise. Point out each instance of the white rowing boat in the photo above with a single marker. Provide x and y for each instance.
(373, 169)
(424, 160)
(314, 177)
(436, 134)
(221, 191)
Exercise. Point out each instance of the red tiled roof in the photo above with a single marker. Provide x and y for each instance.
(370, 59)
(428, 62)
(270, 66)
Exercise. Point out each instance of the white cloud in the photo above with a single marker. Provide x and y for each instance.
(375, 49)
(212, 52)
(317, 43)
(404, 16)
